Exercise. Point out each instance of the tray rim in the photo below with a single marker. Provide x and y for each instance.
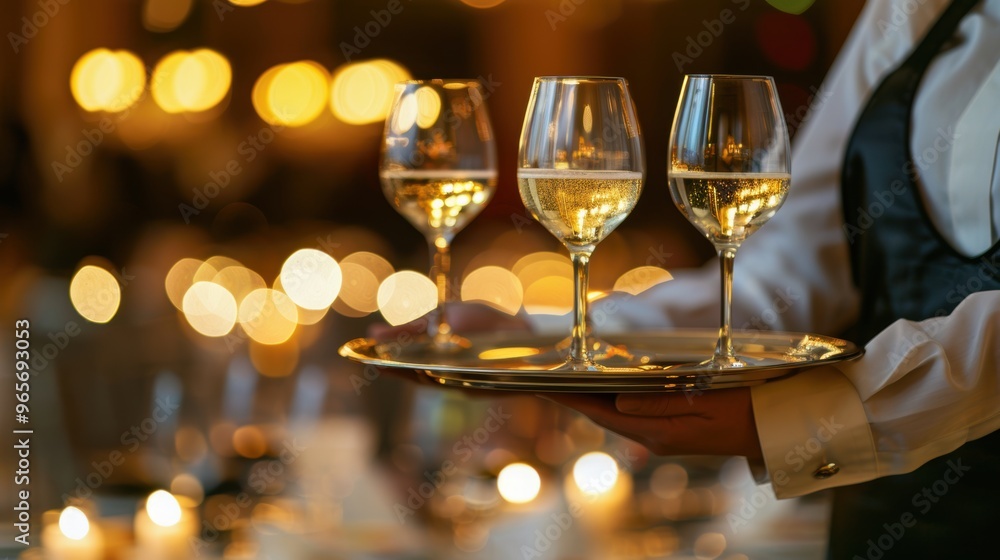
(630, 376)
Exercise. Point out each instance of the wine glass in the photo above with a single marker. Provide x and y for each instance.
(729, 171)
(438, 169)
(580, 172)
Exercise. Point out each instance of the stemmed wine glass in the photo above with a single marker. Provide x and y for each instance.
(580, 172)
(729, 171)
(439, 169)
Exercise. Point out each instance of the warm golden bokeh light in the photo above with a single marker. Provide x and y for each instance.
(360, 289)
(311, 278)
(95, 294)
(179, 279)
(362, 92)
(104, 80)
(190, 444)
(275, 360)
(192, 81)
(494, 286)
(239, 280)
(550, 295)
(640, 279)
(305, 316)
(709, 546)
(165, 15)
(163, 508)
(268, 316)
(73, 523)
(519, 483)
(405, 296)
(363, 273)
(535, 266)
(292, 94)
(246, 3)
(212, 266)
(428, 106)
(482, 4)
(209, 308)
(595, 473)
(250, 442)
(188, 488)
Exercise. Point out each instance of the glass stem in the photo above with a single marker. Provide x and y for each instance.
(578, 352)
(724, 350)
(438, 328)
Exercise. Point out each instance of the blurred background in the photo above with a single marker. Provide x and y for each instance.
(141, 153)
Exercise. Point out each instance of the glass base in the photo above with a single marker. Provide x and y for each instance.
(720, 361)
(603, 355)
(423, 347)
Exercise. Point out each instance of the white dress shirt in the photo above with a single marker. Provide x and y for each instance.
(923, 388)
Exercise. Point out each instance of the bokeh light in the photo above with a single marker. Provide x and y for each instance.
(246, 3)
(105, 80)
(268, 316)
(640, 279)
(209, 308)
(669, 481)
(163, 508)
(95, 294)
(191, 81)
(165, 15)
(239, 281)
(73, 523)
(551, 295)
(546, 278)
(595, 473)
(311, 278)
(428, 106)
(405, 296)
(361, 92)
(363, 272)
(482, 4)
(187, 487)
(709, 546)
(250, 442)
(494, 286)
(275, 360)
(519, 483)
(292, 94)
(179, 278)
(212, 265)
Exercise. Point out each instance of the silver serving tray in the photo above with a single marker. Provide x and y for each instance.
(662, 361)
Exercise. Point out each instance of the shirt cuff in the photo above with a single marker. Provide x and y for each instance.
(814, 433)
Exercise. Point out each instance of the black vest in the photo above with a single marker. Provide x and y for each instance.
(906, 270)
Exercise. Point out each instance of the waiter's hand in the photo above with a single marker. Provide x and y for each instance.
(712, 422)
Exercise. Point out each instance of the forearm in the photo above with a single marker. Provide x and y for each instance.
(922, 390)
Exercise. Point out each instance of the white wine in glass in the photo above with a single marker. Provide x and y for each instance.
(438, 169)
(580, 173)
(729, 172)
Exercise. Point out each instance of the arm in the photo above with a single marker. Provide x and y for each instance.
(922, 390)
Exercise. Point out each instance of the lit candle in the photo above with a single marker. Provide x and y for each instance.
(163, 528)
(73, 538)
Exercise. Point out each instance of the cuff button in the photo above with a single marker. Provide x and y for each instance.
(826, 471)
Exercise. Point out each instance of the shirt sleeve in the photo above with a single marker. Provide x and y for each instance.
(922, 390)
